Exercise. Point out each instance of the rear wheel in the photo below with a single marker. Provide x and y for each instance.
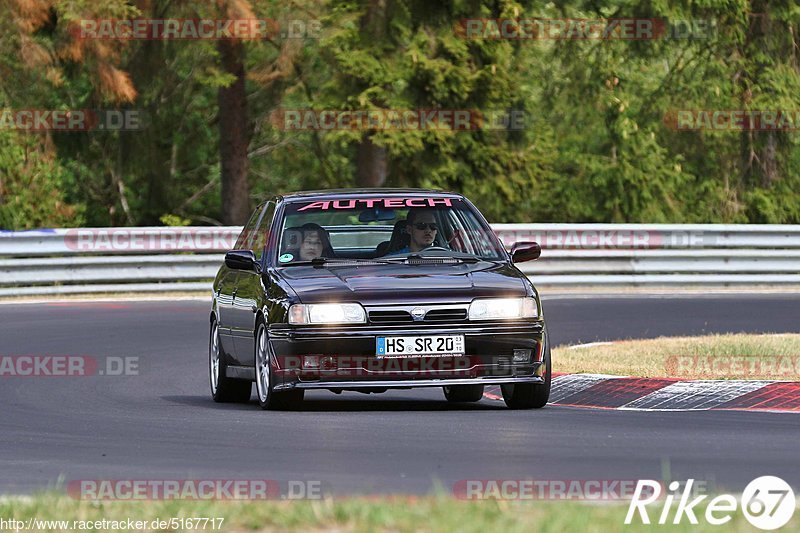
(268, 398)
(463, 393)
(223, 388)
(530, 395)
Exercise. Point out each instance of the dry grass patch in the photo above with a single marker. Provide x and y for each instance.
(733, 356)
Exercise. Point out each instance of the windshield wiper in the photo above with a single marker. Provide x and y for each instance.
(410, 259)
(320, 261)
(420, 258)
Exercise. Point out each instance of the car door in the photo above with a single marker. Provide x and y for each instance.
(226, 293)
(249, 290)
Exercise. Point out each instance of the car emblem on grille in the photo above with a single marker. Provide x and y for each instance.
(418, 313)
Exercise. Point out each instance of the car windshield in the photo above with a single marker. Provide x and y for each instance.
(390, 228)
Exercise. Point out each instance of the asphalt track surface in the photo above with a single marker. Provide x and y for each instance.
(162, 423)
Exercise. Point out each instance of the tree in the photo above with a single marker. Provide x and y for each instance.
(596, 143)
(39, 51)
(233, 135)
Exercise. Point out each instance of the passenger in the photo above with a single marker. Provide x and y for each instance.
(315, 243)
(422, 230)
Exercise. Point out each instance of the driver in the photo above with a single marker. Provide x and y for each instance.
(421, 228)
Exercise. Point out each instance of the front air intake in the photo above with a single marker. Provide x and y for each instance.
(393, 316)
(445, 315)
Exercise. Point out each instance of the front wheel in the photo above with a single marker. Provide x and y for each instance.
(223, 388)
(463, 393)
(268, 398)
(530, 395)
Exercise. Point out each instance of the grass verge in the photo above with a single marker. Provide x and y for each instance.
(734, 356)
(429, 513)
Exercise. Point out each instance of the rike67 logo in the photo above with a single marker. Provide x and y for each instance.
(768, 503)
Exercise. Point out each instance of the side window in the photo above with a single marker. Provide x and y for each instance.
(247, 231)
(481, 241)
(459, 240)
(260, 236)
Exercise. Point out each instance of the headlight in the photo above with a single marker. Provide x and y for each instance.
(327, 314)
(503, 308)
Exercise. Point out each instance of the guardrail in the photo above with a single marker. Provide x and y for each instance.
(158, 259)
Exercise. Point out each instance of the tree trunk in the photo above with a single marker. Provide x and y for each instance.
(371, 160)
(234, 136)
(372, 164)
(760, 151)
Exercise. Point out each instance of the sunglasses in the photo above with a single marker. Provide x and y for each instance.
(422, 225)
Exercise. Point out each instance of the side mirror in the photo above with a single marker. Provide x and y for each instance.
(525, 251)
(242, 260)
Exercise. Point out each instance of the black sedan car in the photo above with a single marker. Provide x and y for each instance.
(370, 290)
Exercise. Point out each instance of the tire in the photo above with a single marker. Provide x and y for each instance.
(267, 397)
(223, 388)
(530, 395)
(463, 393)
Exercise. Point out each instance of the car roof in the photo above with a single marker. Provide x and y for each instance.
(333, 194)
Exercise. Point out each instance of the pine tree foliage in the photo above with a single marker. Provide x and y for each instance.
(598, 140)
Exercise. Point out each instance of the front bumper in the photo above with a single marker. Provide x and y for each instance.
(347, 357)
(406, 384)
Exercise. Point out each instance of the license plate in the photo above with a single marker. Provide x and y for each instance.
(436, 345)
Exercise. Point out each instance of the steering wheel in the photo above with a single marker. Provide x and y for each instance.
(435, 249)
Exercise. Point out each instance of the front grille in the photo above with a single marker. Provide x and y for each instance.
(403, 316)
(393, 316)
(446, 315)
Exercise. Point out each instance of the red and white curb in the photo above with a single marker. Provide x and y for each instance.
(669, 394)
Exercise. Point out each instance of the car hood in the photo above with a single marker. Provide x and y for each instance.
(401, 283)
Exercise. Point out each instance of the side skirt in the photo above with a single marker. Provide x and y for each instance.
(241, 372)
